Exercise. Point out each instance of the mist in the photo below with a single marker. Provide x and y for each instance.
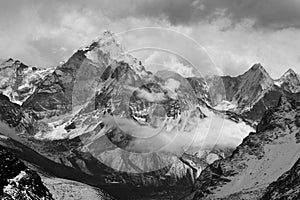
(180, 135)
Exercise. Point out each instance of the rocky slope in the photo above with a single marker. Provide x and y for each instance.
(56, 177)
(260, 160)
(19, 182)
(286, 187)
(62, 189)
(18, 81)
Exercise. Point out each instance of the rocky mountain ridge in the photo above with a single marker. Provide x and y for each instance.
(249, 94)
(261, 158)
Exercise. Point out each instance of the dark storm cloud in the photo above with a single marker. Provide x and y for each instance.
(265, 13)
(43, 32)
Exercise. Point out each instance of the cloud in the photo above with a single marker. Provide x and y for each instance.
(236, 49)
(171, 86)
(176, 66)
(234, 33)
(189, 133)
(151, 97)
(265, 13)
(158, 61)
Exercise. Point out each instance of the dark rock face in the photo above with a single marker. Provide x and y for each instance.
(10, 112)
(19, 182)
(201, 89)
(54, 95)
(277, 129)
(12, 115)
(286, 187)
(298, 119)
(269, 100)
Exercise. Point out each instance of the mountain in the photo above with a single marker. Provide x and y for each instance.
(260, 160)
(18, 81)
(103, 120)
(127, 91)
(74, 82)
(249, 94)
(19, 182)
(100, 124)
(242, 91)
(290, 81)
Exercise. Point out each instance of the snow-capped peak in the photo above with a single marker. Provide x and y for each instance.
(104, 46)
(18, 81)
(289, 72)
(258, 66)
(258, 69)
(253, 83)
(257, 74)
(289, 81)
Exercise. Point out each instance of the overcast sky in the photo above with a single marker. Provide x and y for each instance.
(235, 33)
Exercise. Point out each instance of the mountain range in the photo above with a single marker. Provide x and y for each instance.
(100, 126)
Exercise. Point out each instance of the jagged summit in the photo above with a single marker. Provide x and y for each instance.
(105, 45)
(251, 93)
(290, 71)
(259, 69)
(257, 66)
(251, 86)
(289, 81)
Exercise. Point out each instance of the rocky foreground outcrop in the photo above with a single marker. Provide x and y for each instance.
(19, 182)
